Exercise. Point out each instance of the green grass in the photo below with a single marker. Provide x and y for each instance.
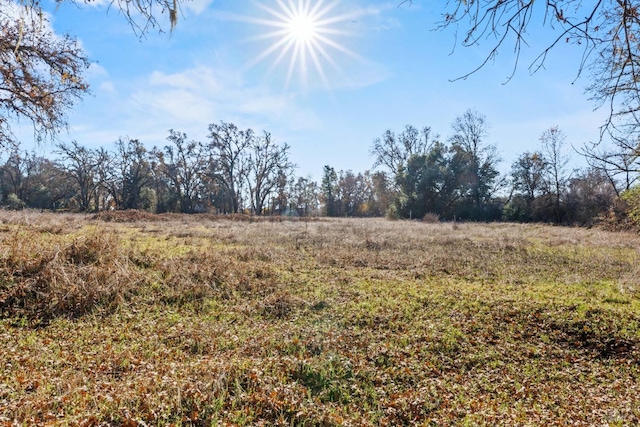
(173, 320)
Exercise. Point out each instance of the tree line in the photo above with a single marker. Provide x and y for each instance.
(234, 171)
(421, 175)
(415, 174)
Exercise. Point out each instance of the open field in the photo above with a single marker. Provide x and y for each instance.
(177, 320)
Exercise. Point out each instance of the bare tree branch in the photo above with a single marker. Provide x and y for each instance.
(41, 73)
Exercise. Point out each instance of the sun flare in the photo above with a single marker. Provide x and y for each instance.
(307, 33)
(302, 28)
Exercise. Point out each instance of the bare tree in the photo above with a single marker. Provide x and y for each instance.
(606, 32)
(104, 174)
(42, 73)
(553, 142)
(142, 15)
(589, 194)
(305, 194)
(81, 165)
(391, 150)
(619, 161)
(229, 158)
(266, 161)
(184, 164)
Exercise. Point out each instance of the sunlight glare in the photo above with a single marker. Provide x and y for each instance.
(302, 28)
(305, 31)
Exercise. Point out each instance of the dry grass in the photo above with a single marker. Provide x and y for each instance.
(200, 320)
(44, 277)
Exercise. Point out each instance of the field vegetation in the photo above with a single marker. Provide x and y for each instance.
(134, 319)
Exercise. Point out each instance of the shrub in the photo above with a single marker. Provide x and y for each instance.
(632, 199)
(13, 202)
(431, 218)
(41, 282)
(392, 213)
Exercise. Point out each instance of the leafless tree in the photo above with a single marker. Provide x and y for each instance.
(619, 161)
(42, 73)
(229, 161)
(469, 131)
(266, 161)
(184, 163)
(142, 15)
(81, 165)
(605, 31)
(392, 150)
(553, 142)
(305, 193)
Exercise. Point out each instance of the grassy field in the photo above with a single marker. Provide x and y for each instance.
(138, 320)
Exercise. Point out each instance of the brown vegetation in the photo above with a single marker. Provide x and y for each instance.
(197, 320)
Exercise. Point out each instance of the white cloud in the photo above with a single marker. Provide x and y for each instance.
(199, 79)
(173, 106)
(202, 94)
(97, 71)
(107, 86)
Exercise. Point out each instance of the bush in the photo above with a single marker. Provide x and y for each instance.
(632, 199)
(431, 218)
(13, 202)
(392, 213)
(40, 282)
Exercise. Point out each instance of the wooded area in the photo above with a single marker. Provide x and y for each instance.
(416, 174)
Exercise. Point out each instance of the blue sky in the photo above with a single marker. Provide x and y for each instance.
(392, 69)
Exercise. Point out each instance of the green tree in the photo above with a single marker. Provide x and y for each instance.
(13, 172)
(632, 199)
(528, 183)
(329, 191)
(429, 183)
(528, 175)
(36, 181)
(134, 175)
(383, 194)
(481, 159)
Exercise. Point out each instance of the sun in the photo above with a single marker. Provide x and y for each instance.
(305, 33)
(302, 28)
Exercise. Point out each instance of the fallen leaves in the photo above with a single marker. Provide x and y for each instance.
(427, 326)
